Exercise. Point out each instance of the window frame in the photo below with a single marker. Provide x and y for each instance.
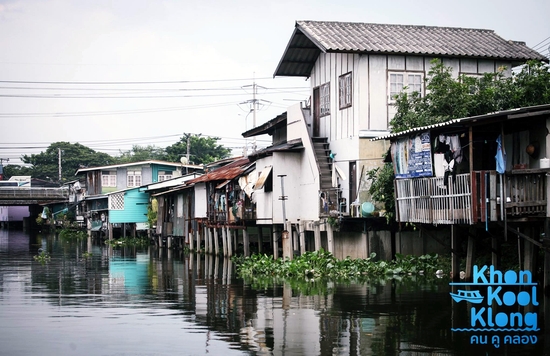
(108, 179)
(405, 83)
(324, 99)
(133, 181)
(345, 90)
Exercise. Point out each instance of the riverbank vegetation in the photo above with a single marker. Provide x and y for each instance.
(322, 264)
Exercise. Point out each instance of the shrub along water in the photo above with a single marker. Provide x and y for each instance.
(322, 264)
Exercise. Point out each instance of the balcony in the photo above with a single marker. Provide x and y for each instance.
(471, 198)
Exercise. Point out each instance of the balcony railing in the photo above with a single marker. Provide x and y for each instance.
(431, 201)
(470, 198)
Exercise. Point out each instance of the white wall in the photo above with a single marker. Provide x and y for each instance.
(264, 200)
(201, 200)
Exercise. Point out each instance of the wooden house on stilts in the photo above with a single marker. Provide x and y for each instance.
(483, 176)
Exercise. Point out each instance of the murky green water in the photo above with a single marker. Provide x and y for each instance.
(160, 302)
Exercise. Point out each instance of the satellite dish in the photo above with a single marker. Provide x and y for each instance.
(184, 160)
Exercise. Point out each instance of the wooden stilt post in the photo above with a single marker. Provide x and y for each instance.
(246, 243)
(206, 239)
(529, 250)
(455, 257)
(470, 254)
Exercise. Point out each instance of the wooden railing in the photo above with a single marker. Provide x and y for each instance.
(469, 199)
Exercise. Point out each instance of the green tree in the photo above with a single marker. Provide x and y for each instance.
(448, 98)
(202, 149)
(16, 170)
(45, 165)
(142, 153)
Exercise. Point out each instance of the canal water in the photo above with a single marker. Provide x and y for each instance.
(149, 301)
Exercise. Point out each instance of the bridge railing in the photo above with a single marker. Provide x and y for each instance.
(34, 193)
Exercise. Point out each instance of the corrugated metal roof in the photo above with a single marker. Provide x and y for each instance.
(520, 112)
(310, 38)
(229, 171)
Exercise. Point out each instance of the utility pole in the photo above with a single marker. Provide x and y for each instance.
(59, 163)
(254, 105)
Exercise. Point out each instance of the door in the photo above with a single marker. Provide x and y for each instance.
(316, 112)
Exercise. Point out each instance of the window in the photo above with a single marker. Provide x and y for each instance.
(133, 179)
(324, 98)
(398, 81)
(108, 179)
(163, 177)
(344, 83)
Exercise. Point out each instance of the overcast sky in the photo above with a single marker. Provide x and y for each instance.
(110, 74)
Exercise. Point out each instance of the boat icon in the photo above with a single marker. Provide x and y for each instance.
(472, 296)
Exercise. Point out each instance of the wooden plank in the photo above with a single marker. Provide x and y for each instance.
(493, 196)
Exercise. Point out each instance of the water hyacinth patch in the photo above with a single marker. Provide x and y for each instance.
(322, 264)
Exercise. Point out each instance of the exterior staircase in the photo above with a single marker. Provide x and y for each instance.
(322, 155)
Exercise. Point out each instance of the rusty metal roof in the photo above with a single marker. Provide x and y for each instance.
(227, 172)
(310, 38)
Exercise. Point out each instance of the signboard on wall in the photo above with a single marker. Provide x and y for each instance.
(412, 156)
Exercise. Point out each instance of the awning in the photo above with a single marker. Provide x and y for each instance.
(221, 185)
(263, 177)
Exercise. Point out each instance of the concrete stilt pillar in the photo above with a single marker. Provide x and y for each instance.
(210, 240)
(260, 239)
(302, 237)
(287, 241)
(224, 241)
(275, 243)
(169, 242)
(317, 236)
(229, 242)
(330, 239)
(246, 243)
(191, 242)
(216, 242)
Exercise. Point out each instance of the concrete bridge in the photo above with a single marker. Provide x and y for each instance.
(33, 196)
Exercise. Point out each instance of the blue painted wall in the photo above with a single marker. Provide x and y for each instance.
(135, 208)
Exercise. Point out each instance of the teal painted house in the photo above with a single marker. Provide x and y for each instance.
(121, 189)
(128, 206)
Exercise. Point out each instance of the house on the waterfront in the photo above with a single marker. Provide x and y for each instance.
(488, 173)
(114, 200)
(355, 69)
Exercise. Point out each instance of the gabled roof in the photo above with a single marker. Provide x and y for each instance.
(295, 145)
(227, 172)
(310, 38)
(141, 163)
(268, 127)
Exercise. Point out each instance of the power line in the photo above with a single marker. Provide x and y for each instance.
(126, 83)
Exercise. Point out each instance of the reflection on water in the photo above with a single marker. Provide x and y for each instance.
(124, 301)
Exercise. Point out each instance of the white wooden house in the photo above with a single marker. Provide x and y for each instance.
(355, 69)
(324, 147)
